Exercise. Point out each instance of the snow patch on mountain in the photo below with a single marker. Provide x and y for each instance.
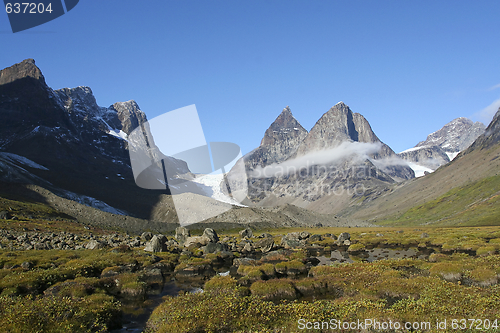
(419, 169)
(452, 156)
(413, 149)
(21, 160)
(92, 202)
(118, 134)
(213, 182)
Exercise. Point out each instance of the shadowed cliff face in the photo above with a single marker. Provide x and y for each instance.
(82, 146)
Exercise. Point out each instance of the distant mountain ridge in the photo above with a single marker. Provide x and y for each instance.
(444, 145)
(455, 136)
(340, 151)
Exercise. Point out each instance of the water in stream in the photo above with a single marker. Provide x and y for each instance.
(372, 255)
(136, 313)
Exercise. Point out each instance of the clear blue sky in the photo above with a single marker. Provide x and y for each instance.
(408, 66)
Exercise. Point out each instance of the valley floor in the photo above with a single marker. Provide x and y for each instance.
(278, 280)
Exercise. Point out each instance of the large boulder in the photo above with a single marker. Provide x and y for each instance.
(215, 247)
(181, 234)
(196, 242)
(211, 235)
(156, 244)
(291, 243)
(246, 233)
(265, 244)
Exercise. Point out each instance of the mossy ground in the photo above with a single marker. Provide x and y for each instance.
(404, 290)
(66, 290)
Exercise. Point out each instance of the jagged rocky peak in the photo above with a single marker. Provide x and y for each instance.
(280, 141)
(129, 114)
(284, 127)
(455, 136)
(24, 69)
(79, 99)
(337, 125)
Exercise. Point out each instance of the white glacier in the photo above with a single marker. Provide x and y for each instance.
(213, 181)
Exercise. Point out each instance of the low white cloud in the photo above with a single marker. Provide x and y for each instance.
(486, 114)
(353, 150)
(494, 87)
(390, 161)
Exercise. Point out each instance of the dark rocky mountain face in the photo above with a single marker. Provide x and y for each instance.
(443, 145)
(81, 146)
(340, 125)
(337, 125)
(280, 141)
(349, 152)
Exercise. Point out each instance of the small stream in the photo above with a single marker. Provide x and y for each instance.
(136, 313)
(371, 255)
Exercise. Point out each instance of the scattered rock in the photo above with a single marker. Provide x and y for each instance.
(95, 244)
(181, 234)
(146, 236)
(265, 245)
(315, 238)
(211, 235)
(156, 245)
(246, 233)
(243, 261)
(195, 242)
(27, 265)
(248, 248)
(215, 247)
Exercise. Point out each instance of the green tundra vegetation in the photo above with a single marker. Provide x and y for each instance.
(404, 290)
(87, 290)
(474, 204)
